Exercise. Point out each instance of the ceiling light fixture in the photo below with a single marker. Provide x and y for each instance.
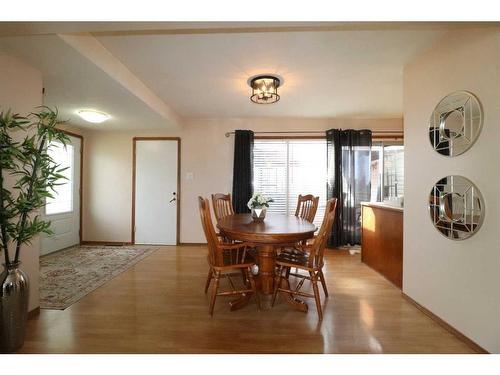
(93, 116)
(265, 89)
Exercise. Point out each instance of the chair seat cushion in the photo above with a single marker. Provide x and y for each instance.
(298, 258)
(293, 251)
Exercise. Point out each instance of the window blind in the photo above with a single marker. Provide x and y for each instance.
(283, 169)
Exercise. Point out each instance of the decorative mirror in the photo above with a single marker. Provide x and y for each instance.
(455, 123)
(456, 207)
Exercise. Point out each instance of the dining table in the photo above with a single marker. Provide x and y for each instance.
(268, 236)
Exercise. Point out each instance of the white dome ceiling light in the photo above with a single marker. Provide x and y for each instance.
(95, 117)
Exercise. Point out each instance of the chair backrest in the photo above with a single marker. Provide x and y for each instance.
(307, 205)
(208, 228)
(321, 239)
(222, 205)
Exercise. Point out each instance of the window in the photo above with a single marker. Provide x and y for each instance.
(393, 172)
(387, 172)
(283, 169)
(63, 195)
(376, 174)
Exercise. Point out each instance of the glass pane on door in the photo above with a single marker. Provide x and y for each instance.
(62, 200)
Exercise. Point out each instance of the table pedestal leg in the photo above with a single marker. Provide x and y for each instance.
(266, 264)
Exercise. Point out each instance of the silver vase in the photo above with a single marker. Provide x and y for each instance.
(259, 214)
(13, 307)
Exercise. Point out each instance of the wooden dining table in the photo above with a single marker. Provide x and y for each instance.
(267, 236)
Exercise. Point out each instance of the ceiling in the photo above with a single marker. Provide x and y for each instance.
(201, 70)
(327, 74)
(72, 82)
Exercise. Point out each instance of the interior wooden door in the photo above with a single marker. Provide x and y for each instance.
(156, 195)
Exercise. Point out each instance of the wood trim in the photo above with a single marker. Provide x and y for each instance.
(178, 234)
(134, 150)
(132, 227)
(157, 139)
(67, 132)
(474, 346)
(107, 243)
(34, 313)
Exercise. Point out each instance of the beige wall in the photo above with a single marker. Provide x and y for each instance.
(21, 90)
(456, 280)
(205, 152)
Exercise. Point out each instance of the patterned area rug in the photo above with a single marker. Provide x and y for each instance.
(68, 275)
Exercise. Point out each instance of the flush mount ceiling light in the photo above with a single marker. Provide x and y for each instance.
(95, 117)
(265, 89)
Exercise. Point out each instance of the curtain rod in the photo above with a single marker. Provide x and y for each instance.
(390, 132)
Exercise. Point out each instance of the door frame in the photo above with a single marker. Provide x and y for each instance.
(80, 190)
(178, 139)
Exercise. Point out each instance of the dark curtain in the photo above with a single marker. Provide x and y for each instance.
(349, 158)
(242, 170)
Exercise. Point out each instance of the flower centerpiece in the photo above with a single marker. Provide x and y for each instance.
(259, 204)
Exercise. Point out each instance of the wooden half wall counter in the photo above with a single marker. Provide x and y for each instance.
(382, 240)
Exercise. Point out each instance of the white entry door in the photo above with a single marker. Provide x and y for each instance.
(156, 192)
(63, 211)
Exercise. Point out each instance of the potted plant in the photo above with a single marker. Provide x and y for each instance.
(258, 204)
(28, 177)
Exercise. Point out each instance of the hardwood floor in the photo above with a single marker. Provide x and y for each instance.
(158, 306)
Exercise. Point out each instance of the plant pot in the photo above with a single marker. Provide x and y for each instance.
(14, 294)
(258, 214)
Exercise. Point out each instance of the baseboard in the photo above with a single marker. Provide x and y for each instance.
(106, 243)
(474, 346)
(34, 313)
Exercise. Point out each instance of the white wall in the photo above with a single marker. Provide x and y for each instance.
(21, 90)
(107, 186)
(205, 152)
(456, 280)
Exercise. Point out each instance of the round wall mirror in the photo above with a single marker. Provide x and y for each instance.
(456, 207)
(455, 123)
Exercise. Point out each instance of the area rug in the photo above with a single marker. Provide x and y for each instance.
(68, 275)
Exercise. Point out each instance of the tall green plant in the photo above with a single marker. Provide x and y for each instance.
(34, 172)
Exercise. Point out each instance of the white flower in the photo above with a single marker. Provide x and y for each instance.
(258, 200)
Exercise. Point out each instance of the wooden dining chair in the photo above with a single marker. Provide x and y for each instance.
(223, 258)
(222, 205)
(307, 205)
(309, 259)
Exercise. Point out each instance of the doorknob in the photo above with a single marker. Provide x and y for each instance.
(173, 198)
